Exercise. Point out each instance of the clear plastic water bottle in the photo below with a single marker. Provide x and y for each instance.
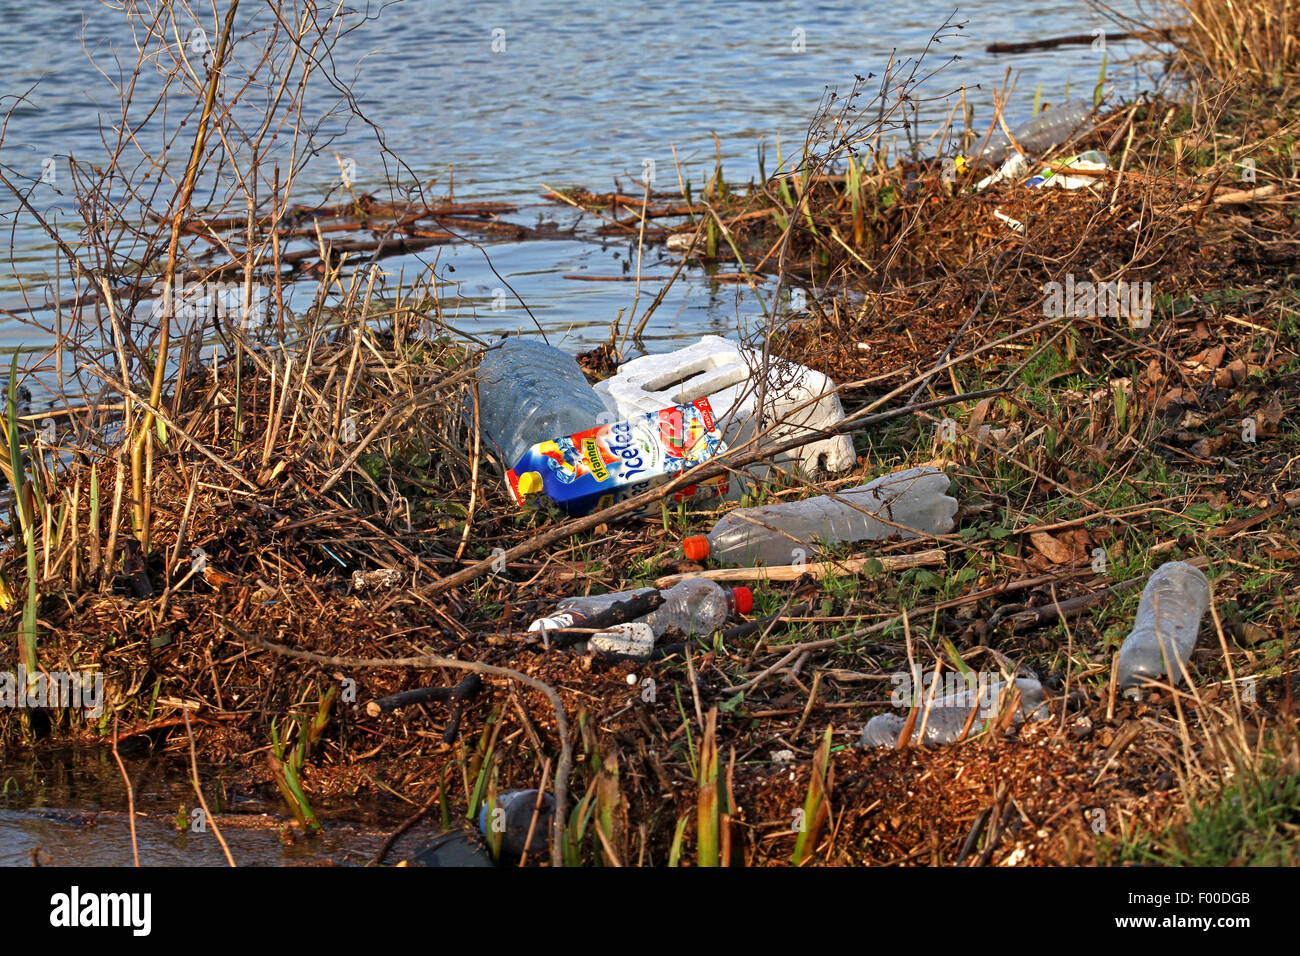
(948, 715)
(1165, 627)
(1038, 134)
(697, 605)
(531, 392)
(694, 606)
(911, 502)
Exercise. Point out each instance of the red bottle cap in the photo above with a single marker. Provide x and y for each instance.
(696, 547)
(744, 598)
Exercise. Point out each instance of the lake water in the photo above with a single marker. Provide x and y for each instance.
(495, 99)
(69, 808)
(573, 93)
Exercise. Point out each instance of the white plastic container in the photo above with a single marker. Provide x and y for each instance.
(1014, 167)
(725, 373)
(1092, 160)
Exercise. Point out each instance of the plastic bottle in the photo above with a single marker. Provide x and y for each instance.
(511, 818)
(573, 611)
(455, 848)
(693, 606)
(914, 500)
(633, 638)
(531, 392)
(697, 606)
(1048, 129)
(948, 715)
(1165, 626)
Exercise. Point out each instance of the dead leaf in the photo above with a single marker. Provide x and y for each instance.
(1076, 480)
(1282, 554)
(1232, 374)
(1079, 541)
(1270, 416)
(1245, 633)
(978, 414)
(1175, 396)
(1153, 376)
(1058, 552)
(1210, 447)
(1206, 361)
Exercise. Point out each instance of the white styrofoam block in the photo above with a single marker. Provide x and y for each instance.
(723, 371)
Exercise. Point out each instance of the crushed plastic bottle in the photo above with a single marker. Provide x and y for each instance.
(1048, 129)
(635, 639)
(694, 606)
(911, 502)
(1165, 627)
(529, 392)
(948, 715)
(589, 604)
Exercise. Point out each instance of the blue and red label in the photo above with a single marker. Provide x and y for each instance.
(593, 469)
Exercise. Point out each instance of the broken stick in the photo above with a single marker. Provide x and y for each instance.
(792, 572)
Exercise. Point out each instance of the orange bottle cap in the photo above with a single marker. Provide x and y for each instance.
(696, 547)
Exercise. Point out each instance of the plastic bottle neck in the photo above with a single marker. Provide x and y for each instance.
(740, 600)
